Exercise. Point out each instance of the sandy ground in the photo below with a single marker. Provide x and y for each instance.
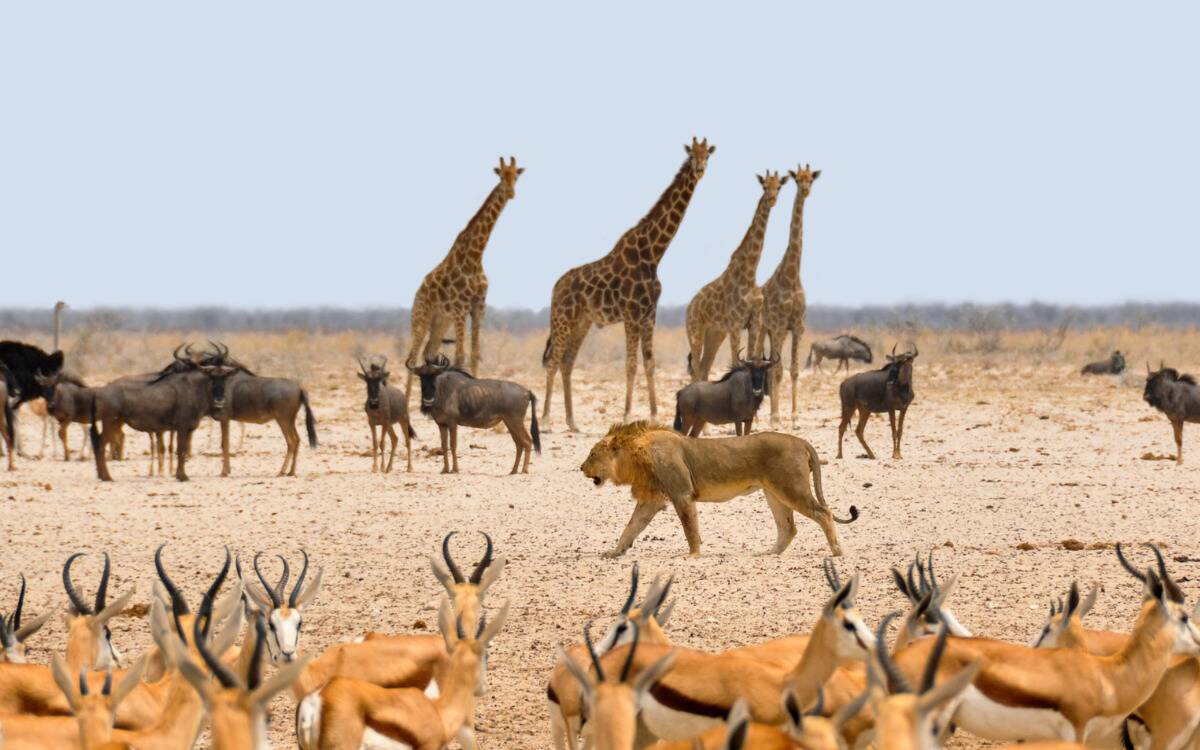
(993, 458)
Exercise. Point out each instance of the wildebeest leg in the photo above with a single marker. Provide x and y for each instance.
(785, 525)
(293, 438)
(391, 434)
(153, 455)
(900, 430)
(241, 436)
(776, 375)
(183, 448)
(697, 428)
(374, 448)
(863, 416)
(847, 413)
(161, 445)
(445, 431)
(643, 513)
(632, 339)
(171, 453)
(895, 435)
(454, 447)
(404, 425)
(99, 452)
(287, 456)
(62, 435)
(712, 342)
(460, 345)
(1177, 425)
(514, 432)
(225, 468)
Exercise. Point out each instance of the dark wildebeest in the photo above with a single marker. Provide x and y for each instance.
(258, 400)
(842, 348)
(1114, 365)
(24, 362)
(734, 398)
(172, 402)
(385, 407)
(874, 392)
(453, 397)
(68, 401)
(1175, 395)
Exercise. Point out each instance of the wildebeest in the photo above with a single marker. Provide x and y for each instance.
(175, 401)
(842, 348)
(258, 400)
(452, 397)
(1114, 365)
(886, 389)
(385, 407)
(68, 401)
(1175, 395)
(734, 398)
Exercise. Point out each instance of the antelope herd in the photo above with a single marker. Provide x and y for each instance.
(839, 685)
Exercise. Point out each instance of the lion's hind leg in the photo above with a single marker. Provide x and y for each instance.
(785, 524)
(799, 497)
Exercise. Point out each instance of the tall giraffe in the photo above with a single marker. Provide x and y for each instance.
(457, 287)
(784, 304)
(621, 286)
(732, 301)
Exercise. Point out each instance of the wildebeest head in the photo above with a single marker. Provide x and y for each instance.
(217, 377)
(49, 386)
(760, 374)
(698, 153)
(376, 376)
(1160, 382)
(428, 373)
(771, 183)
(900, 365)
(508, 174)
(805, 176)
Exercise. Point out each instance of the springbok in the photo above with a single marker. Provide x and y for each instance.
(357, 714)
(89, 640)
(1023, 693)
(14, 633)
(385, 407)
(284, 612)
(886, 389)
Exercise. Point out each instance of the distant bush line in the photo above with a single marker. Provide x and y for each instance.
(968, 317)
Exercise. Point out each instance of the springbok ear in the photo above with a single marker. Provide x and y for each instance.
(446, 624)
(652, 674)
(28, 629)
(490, 575)
(278, 682)
(129, 682)
(791, 709)
(850, 710)
(580, 674)
(58, 668)
(196, 677)
(228, 604)
(441, 574)
(259, 600)
(113, 609)
(492, 629)
(310, 592)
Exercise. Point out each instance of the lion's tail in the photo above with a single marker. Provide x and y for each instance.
(814, 465)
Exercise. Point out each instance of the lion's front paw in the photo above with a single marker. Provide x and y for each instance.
(612, 553)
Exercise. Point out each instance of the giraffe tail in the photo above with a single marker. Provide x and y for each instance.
(546, 351)
(689, 369)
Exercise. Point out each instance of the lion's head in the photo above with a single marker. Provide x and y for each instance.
(620, 456)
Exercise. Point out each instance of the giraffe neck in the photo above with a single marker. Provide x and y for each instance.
(660, 224)
(789, 267)
(743, 264)
(471, 241)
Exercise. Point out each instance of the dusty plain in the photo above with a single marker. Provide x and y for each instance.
(1008, 453)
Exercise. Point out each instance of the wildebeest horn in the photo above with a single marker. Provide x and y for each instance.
(1148, 370)
(362, 366)
(175, 354)
(276, 600)
(77, 602)
(915, 350)
(894, 350)
(587, 639)
(299, 582)
(455, 573)
(484, 562)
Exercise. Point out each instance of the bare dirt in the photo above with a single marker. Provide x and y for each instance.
(1019, 477)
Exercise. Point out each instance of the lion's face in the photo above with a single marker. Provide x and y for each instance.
(600, 465)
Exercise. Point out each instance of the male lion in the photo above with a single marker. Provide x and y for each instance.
(662, 465)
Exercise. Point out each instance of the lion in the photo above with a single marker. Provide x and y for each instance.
(660, 465)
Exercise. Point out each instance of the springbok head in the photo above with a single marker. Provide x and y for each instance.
(89, 639)
(14, 633)
(283, 611)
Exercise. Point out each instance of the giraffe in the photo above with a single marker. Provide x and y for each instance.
(622, 286)
(733, 300)
(784, 304)
(457, 287)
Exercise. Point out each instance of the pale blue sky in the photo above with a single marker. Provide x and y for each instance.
(297, 153)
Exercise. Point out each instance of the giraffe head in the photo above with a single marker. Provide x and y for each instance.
(698, 153)
(805, 176)
(771, 183)
(508, 174)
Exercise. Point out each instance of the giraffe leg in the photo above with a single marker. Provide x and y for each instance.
(735, 345)
(632, 339)
(712, 342)
(554, 356)
(648, 363)
(695, 335)
(477, 313)
(460, 346)
(776, 378)
(754, 342)
(797, 332)
(568, 365)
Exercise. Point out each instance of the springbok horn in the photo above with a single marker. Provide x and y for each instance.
(83, 686)
(929, 675)
(831, 575)
(896, 681)
(254, 671)
(281, 587)
(587, 639)
(1128, 567)
(1173, 589)
(455, 573)
(16, 615)
(106, 689)
(178, 605)
(102, 591)
(299, 582)
(200, 632)
(819, 707)
(633, 644)
(633, 587)
(77, 603)
(275, 600)
(477, 574)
